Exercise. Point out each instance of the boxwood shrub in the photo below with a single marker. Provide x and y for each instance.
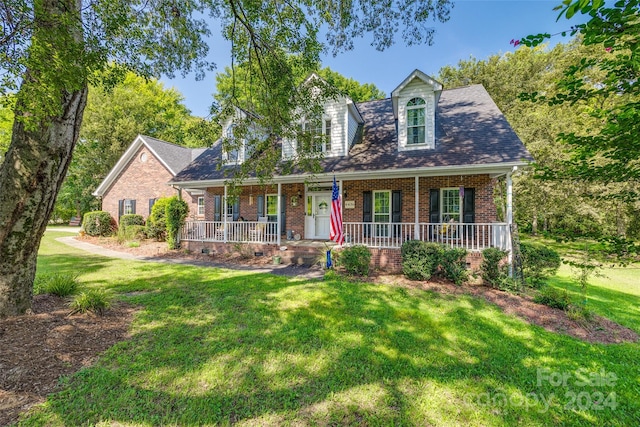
(420, 260)
(98, 223)
(131, 219)
(355, 260)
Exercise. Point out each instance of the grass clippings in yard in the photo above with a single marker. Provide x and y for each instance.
(39, 348)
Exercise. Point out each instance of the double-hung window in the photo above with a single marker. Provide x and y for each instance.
(200, 206)
(382, 212)
(317, 138)
(416, 121)
(450, 208)
(129, 206)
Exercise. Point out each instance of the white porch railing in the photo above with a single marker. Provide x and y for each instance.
(474, 237)
(233, 231)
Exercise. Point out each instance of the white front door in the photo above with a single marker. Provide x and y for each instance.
(318, 215)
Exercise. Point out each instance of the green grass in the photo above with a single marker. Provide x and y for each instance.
(218, 347)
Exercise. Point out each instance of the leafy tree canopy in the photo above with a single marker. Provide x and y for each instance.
(610, 150)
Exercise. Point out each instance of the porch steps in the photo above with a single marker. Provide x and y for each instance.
(302, 256)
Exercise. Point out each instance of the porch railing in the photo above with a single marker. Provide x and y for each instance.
(233, 231)
(471, 236)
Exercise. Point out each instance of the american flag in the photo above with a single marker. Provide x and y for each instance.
(335, 232)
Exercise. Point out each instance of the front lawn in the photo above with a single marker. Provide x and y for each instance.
(216, 346)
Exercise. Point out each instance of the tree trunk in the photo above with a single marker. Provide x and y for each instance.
(48, 114)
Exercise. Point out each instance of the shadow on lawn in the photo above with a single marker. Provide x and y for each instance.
(217, 348)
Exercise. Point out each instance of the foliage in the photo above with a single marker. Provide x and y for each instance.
(553, 297)
(98, 223)
(131, 219)
(453, 263)
(493, 269)
(609, 151)
(6, 123)
(112, 120)
(538, 263)
(420, 260)
(60, 284)
(156, 223)
(131, 232)
(176, 214)
(95, 301)
(355, 260)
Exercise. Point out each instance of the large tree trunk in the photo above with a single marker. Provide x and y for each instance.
(30, 178)
(48, 115)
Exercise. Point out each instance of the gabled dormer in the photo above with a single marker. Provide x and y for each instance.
(330, 133)
(414, 106)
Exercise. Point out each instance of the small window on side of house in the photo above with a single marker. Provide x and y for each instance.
(200, 206)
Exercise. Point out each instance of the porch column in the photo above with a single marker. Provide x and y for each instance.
(341, 208)
(278, 225)
(224, 215)
(416, 231)
(509, 221)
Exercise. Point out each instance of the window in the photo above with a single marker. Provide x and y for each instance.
(129, 206)
(200, 206)
(229, 208)
(272, 205)
(416, 121)
(319, 134)
(232, 154)
(382, 212)
(450, 206)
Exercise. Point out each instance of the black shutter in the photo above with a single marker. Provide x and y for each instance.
(469, 205)
(133, 206)
(434, 205)
(396, 211)
(367, 211)
(151, 203)
(283, 215)
(217, 202)
(236, 209)
(260, 204)
(120, 208)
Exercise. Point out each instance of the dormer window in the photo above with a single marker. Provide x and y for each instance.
(319, 140)
(233, 155)
(416, 121)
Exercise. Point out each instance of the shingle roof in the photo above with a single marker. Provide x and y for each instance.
(470, 130)
(174, 156)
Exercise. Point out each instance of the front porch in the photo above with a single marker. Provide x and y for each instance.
(474, 237)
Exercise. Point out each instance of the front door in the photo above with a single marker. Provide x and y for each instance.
(318, 216)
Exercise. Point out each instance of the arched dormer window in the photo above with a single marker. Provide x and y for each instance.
(416, 121)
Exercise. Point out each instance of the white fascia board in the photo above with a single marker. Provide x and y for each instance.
(493, 169)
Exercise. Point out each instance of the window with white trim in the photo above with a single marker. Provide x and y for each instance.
(451, 205)
(416, 110)
(232, 155)
(129, 206)
(382, 212)
(318, 137)
(200, 206)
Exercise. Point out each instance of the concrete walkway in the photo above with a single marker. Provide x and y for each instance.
(280, 270)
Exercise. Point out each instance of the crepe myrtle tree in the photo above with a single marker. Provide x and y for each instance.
(51, 50)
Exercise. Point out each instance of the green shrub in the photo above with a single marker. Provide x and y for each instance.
(98, 223)
(131, 219)
(176, 213)
(355, 260)
(131, 232)
(492, 272)
(453, 263)
(420, 260)
(156, 223)
(58, 284)
(93, 300)
(538, 263)
(553, 297)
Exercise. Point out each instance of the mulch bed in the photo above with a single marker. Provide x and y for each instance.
(38, 348)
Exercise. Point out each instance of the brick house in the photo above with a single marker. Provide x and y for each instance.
(421, 164)
(142, 175)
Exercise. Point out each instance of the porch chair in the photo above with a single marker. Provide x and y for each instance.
(257, 234)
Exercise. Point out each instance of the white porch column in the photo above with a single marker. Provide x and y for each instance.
(509, 213)
(224, 215)
(341, 207)
(416, 220)
(279, 225)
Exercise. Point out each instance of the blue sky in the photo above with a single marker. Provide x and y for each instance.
(477, 28)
